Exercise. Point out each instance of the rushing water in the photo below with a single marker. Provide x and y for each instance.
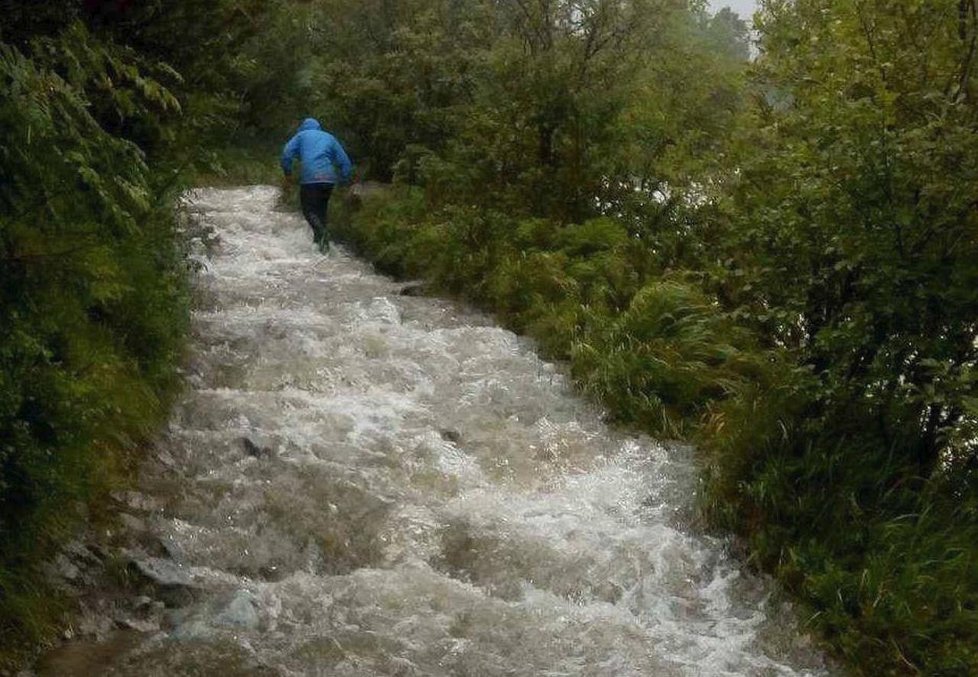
(360, 482)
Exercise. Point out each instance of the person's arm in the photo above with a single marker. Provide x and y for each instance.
(290, 153)
(342, 160)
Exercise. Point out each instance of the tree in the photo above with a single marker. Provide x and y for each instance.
(877, 202)
(851, 247)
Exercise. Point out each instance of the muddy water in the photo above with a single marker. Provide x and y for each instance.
(360, 482)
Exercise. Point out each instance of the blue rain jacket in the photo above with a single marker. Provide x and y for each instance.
(319, 152)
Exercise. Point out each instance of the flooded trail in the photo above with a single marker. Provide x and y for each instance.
(360, 482)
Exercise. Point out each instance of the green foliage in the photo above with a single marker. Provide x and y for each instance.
(848, 240)
(659, 361)
(93, 296)
(247, 164)
(867, 210)
(106, 111)
(392, 78)
(540, 108)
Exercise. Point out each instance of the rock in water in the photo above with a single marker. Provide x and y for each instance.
(239, 613)
(255, 449)
(164, 572)
(452, 436)
(414, 289)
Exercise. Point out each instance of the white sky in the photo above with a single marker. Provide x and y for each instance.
(745, 8)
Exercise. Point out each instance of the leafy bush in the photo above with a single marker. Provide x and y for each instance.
(94, 306)
(849, 245)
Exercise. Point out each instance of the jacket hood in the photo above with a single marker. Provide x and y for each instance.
(309, 123)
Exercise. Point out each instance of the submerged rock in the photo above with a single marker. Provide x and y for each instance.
(256, 449)
(174, 584)
(452, 436)
(239, 613)
(414, 289)
(164, 572)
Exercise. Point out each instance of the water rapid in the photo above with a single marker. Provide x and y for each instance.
(363, 482)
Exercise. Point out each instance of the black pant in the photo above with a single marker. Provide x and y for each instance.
(314, 198)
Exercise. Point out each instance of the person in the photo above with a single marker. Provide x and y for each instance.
(323, 162)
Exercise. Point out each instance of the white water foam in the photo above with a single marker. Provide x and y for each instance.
(365, 483)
